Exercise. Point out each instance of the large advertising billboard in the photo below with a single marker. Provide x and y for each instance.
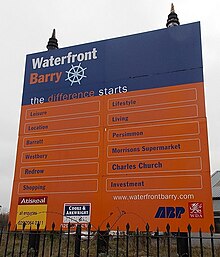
(115, 132)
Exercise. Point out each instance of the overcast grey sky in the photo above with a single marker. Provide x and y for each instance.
(26, 26)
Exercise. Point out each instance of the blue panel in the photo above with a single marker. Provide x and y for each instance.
(159, 58)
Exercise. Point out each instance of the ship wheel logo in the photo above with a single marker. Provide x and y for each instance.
(75, 74)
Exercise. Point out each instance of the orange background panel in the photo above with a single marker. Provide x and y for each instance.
(63, 110)
(60, 186)
(155, 183)
(155, 130)
(91, 152)
(62, 139)
(152, 115)
(190, 164)
(77, 163)
(181, 146)
(63, 124)
(159, 98)
(60, 170)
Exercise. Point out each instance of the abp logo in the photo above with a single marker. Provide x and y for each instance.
(169, 212)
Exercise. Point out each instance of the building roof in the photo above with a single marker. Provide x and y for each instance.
(215, 179)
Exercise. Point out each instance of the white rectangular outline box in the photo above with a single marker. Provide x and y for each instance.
(57, 181)
(52, 135)
(59, 149)
(152, 94)
(65, 164)
(57, 106)
(155, 189)
(153, 120)
(60, 120)
(155, 142)
(152, 126)
(153, 171)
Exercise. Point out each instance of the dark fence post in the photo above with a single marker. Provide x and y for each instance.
(190, 240)
(88, 239)
(107, 237)
(21, 241)
(158, 242)
(212, 241)
(14, 240)
(7, 239)
(98, 239)
(51, 239)
(127, 238)
(60, 240)
(200, 241)
(44, 241)
(77, 241)
(117, 242)
(182, 244)
(37, 241)
(34, 242)
(1, 235)
(148, 238)
(68, 240)
(168, 239)
(137, 242)
(28, 246)
(178, 242)
(102, 241)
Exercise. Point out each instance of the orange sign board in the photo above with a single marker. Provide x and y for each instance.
(115, 132)
(120, 158)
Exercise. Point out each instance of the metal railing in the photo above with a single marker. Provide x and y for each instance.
(74, 241)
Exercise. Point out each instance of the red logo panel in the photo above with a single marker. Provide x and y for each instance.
(196, 210)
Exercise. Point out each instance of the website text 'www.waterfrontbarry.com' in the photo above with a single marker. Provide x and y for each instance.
(139, 197)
